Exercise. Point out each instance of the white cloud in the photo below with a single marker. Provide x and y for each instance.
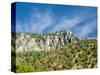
(86, 29)
(66, 23)
(41, 20)
(37, 23)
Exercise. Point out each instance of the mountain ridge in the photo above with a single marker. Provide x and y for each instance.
(38, 42)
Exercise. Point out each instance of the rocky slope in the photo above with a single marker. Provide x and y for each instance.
(39, 42)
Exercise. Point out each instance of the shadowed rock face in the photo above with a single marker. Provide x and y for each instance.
(37, 42)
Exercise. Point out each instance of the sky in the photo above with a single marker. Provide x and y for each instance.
(46, 18)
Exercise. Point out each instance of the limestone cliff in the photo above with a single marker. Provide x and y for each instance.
(22, 41)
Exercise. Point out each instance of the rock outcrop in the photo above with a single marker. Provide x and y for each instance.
(39, 42)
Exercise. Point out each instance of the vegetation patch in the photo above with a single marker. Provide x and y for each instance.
(74, 56)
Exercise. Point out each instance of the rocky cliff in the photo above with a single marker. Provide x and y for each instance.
(37, 42)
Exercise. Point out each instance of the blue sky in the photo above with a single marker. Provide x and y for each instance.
(44, 18)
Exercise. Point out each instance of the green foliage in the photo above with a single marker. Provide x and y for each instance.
(23, 67)
(73, 56)
(37, 35)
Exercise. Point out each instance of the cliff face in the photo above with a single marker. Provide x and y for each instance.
(37, 42)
